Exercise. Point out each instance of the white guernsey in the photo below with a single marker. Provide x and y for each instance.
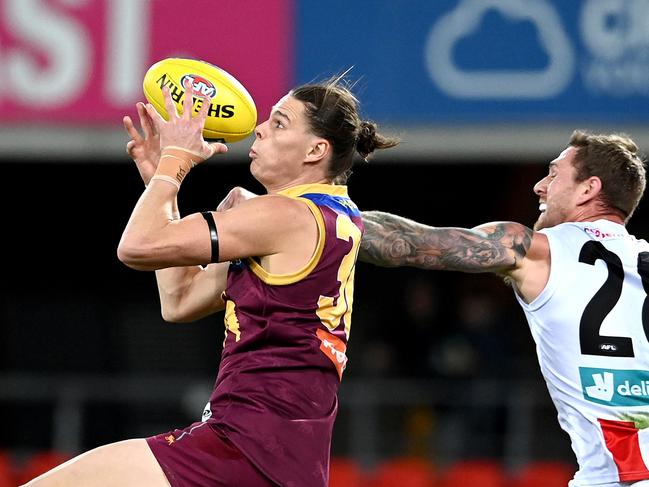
(591, 326)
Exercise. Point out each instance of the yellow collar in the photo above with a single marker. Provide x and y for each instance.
(332, 189)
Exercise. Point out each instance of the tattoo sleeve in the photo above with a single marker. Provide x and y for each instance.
(391, 241)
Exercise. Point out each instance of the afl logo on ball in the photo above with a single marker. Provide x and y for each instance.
(201, 86)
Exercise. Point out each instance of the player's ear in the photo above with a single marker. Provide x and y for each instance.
(590, 188)
(317, 150)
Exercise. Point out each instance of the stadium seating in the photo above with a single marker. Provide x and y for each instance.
(474, 473)
(544, 474)
(404, 472)
(40, 463)
(344, 472)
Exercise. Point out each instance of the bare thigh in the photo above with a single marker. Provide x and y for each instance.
(127, 463)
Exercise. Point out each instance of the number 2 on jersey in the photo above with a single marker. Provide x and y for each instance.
(605, 299)
(329, 313)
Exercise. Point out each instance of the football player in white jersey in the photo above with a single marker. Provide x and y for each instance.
(583, 283)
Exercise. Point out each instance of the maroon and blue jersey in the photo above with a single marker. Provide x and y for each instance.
(284, 350)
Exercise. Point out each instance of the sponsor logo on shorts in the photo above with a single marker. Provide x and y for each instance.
(614, 387)
(334, 348)
(171, 439)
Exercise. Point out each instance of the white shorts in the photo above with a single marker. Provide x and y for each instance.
(639, 483)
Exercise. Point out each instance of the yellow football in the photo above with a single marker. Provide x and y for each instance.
(232, 115)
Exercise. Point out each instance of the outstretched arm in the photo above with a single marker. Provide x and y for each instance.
(391, 241)
(186, 293)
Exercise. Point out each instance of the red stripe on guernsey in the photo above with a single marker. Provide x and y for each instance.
(622, 441)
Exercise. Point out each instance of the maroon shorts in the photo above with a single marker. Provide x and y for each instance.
(200, 456)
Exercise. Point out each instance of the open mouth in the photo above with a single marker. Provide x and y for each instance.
(542, 207)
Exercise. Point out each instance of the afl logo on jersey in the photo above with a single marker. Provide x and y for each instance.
(236, 264)
(207, 412)
(201, 86)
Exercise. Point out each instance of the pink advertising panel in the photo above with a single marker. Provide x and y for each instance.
(83, 61)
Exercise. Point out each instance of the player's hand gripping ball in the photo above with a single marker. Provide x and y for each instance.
(232, 115)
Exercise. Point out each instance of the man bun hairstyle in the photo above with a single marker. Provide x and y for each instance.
(614, 159)
(332, 112)
(368, 141)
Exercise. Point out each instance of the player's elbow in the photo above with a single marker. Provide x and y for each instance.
(135, 255)
(173, 316)
(176, 314)
(172, 307)
(182, 311)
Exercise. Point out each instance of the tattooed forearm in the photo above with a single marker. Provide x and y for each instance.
(390, 241)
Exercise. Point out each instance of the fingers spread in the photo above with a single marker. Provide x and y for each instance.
(130, 129)
(170, 106)
(205, 107)
(155, 117)
(188, 102)
(145, 121)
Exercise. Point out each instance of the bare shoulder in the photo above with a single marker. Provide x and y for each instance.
(539, 248)
(262, 226)
(271, 210)
(538, 254)
(511, 235)
(506, 244)
(532, 274)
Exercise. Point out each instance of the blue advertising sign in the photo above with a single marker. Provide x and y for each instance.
(423, 61)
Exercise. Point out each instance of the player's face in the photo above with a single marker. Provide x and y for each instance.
(557, 191)
(281, 145)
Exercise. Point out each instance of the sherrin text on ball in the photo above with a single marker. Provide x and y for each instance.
(232, 115)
